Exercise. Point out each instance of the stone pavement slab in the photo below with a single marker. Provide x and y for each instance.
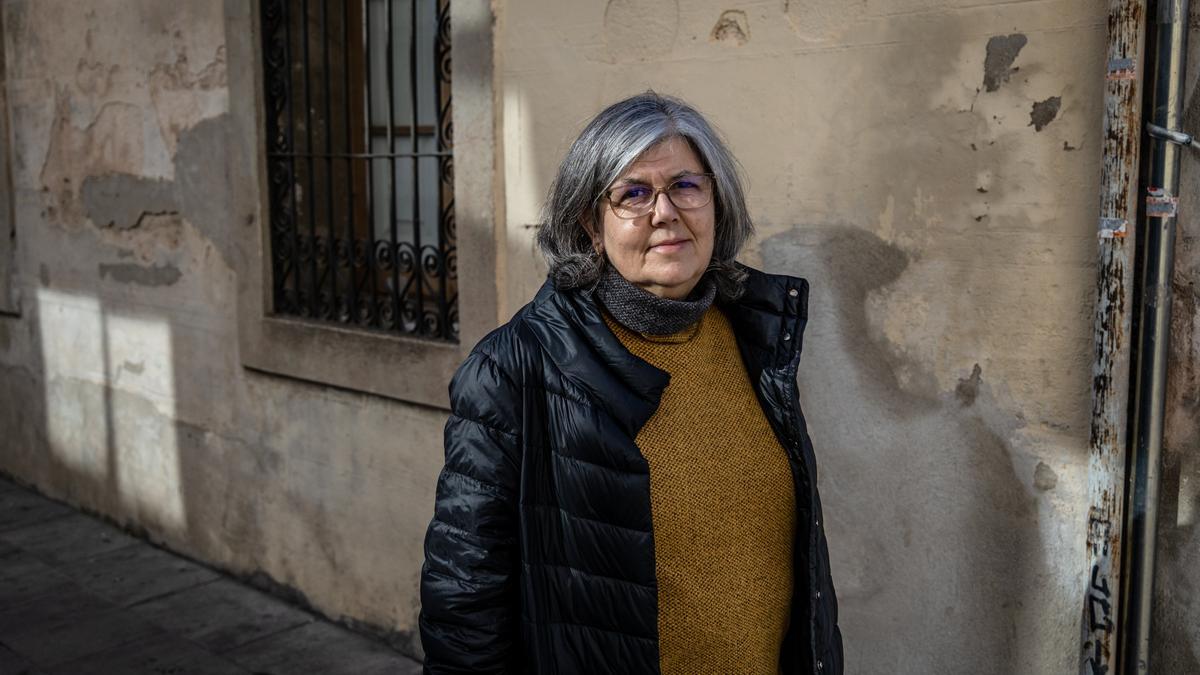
(322, 648)
(156, 654)
(12, 663)
(43, 605)
(135, 573)
(16, 564)
(71, 637)
(19, 508)
(222, 615)
(67, 539)
(80, 597)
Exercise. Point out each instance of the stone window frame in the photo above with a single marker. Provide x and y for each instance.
(10, 302)
(394, 366)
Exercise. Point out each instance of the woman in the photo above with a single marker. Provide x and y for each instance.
(629, 485)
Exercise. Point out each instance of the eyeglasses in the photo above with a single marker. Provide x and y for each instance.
(636, 200)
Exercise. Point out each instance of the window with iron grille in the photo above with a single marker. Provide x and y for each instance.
(360, 163)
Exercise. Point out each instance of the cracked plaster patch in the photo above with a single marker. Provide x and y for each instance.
(111, 143)
(122, 201)
(131, 273)
(1044, 477)
(1002, 50)
(1044, 112)
(732, 28)
(94, 78)
(182, 97)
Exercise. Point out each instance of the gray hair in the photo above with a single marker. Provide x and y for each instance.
(612, 141)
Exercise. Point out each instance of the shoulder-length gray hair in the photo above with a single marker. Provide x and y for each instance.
(606, 147)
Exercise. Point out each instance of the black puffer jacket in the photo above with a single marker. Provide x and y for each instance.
(540, 555)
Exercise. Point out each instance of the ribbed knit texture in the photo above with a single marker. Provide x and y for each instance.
(640, 310)
(722, 502)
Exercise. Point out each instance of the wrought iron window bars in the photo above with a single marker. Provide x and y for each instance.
(360, 163)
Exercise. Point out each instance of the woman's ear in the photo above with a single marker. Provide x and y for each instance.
(594, 235)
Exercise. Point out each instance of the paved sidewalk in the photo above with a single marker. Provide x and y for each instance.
(78, 596)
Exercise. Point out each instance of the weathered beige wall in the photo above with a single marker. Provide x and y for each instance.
(929, 165)
(121, 387)
(945, 212)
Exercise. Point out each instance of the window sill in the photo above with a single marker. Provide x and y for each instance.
(392, 366)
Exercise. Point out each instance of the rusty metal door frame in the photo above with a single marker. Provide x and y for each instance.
(1125, 445)
(1111, 368)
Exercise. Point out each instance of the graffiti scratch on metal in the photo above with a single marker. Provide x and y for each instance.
(1098, 617)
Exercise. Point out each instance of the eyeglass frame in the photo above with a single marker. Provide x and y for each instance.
(662, 190)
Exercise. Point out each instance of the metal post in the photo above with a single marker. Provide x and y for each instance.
(330, 228)
(440, 51)
(351, 244)
(1168, 47)
(313, 307)
(1110, 371)
(415, 149)
(394, 205)
(372, 246)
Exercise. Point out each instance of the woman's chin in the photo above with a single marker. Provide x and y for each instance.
(673, 287)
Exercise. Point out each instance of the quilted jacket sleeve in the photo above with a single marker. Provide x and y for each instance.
(470, 616)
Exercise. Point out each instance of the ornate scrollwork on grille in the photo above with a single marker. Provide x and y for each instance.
(385, 256)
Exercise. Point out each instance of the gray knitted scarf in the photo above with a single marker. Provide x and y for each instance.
(642, 311)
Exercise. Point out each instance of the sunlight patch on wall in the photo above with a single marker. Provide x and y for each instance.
(142, 380)
(71, 329)
(110, 407)
(1188, 498)
(523, 191)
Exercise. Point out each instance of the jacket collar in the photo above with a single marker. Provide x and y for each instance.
(768, 322)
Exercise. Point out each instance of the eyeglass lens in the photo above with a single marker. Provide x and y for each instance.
(687, 192)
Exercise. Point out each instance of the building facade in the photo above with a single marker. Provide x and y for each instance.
(175, 354)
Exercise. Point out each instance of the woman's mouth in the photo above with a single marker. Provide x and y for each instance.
(669, 246)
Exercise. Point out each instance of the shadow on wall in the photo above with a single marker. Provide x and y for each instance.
(949, 538)
(936, 537)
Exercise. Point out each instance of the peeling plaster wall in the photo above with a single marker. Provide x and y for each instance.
(121, 387)
(931, 166)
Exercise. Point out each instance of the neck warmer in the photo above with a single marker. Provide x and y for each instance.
(642, 311)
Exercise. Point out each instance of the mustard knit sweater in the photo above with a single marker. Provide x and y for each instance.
(722, 503)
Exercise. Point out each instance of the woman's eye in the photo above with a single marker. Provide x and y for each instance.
(686, 184)
(633, 193)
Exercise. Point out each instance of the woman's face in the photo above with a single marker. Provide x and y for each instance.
(667, 250)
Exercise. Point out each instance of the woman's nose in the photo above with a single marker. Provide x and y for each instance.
(664, 210)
